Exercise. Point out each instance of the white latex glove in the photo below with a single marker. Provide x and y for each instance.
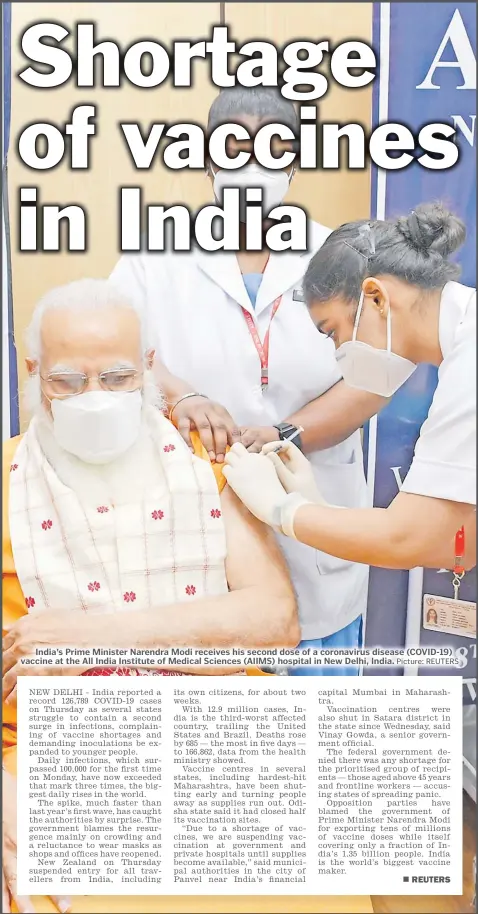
(294, 470)
(254, 480)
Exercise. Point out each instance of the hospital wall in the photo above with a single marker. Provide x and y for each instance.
(330, 197)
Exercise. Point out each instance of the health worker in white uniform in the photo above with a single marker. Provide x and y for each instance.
(387, 295)
(242, 361)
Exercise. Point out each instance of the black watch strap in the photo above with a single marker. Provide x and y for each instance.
(287, 430)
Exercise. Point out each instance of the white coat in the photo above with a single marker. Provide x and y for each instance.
(444, 462)
(194, 311)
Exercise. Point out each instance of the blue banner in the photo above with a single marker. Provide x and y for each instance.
(427, 60)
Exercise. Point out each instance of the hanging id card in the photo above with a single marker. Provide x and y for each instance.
(451, 615)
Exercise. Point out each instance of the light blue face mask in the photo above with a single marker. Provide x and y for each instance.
(378, 371)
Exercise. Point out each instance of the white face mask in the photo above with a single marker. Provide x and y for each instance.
(378, 371)
(97, 426)
(274, 185)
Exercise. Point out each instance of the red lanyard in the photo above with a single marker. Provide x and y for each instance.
(458, 567)
(262, 348)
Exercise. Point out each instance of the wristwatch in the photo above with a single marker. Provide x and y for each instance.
(288, 431)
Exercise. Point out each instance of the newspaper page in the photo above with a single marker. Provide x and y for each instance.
(239, 469)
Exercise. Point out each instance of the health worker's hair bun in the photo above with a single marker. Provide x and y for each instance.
(431, 228)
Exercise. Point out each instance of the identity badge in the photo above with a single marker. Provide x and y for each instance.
(455, 617)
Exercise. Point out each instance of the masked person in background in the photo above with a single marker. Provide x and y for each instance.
(385, 292)
(235, 326)
(108, 513)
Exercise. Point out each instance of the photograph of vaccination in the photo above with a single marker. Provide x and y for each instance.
(239, 457)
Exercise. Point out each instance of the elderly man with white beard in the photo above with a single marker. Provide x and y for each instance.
(114, 533)
(109, 511)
